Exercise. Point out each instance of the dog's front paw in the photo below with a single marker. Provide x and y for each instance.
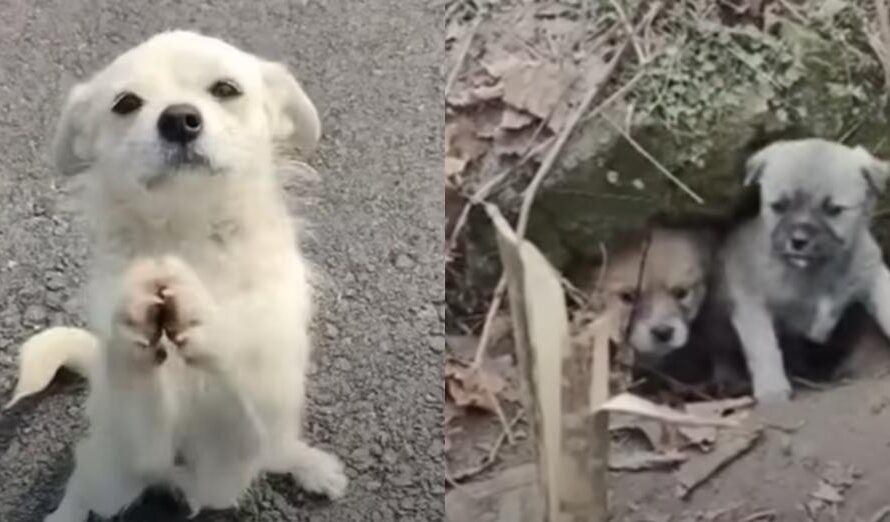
(138, 319)
(186, 308)
(772, 392)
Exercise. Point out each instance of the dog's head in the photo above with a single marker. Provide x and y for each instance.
(816, 198)
(183, 102)
(666, 297)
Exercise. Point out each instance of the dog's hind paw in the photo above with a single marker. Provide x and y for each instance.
(320, 472)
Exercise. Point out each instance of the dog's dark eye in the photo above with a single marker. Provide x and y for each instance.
(780, 206)
(125, 103)
(679, 293)
(627, 296)
(225, 89)
(831, 209)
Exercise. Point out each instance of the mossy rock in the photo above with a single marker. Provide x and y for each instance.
(803, 81)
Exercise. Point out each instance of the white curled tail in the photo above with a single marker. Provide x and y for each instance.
(44, 353)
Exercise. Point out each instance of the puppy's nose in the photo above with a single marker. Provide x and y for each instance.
(180, 123)
(799, 240)
(662, 332)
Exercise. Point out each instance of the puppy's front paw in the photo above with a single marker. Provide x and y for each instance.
(773, 392)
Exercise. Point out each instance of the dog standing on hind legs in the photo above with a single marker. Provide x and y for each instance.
(199, 299)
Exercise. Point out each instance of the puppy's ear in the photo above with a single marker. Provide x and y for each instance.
(875, 171)
(293, 117)
(755, 165)
(73, 144)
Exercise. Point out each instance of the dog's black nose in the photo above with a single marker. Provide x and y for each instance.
(662, 333)
(799, 241)
(180, 123)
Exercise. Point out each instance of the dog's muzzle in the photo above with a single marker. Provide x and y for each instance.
(179, 127)
(802, 244)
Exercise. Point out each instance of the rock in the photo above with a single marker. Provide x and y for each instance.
(403, 262)
(437, 343)
(35, 315)
(795, 85)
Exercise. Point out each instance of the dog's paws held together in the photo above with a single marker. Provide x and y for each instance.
(164, 297)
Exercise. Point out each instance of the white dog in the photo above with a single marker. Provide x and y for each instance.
(199, 300)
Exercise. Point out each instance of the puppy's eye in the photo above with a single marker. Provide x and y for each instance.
(224, 89)
(832, 209)
(627, 296)
(779, 207)
(125, 103)
(679, 293)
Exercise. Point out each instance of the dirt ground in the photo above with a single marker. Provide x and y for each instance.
(843, 430)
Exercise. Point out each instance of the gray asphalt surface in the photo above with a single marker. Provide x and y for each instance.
(374, 69)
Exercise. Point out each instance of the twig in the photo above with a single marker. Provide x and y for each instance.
(561, 140)
(641, 270)
(880, 515)
(801, 19)
(463, 55)
(505, 425)
(880, 42)
(490, 458)
(601, 277)
(532, 189)
(674, 383)
(641, 57)
(767, 514)
(493, 308)
(676, 181)
(619, 93)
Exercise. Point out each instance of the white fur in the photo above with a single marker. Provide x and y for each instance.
(218, 239)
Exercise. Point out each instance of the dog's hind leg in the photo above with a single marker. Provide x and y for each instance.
(98, 484)
(316, 470)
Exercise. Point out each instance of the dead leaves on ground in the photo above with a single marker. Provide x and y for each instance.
(525, 70)
(472, 387)
(701, 439)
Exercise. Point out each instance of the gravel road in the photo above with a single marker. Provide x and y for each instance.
(374, 69)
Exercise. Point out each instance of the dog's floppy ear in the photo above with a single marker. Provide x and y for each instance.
(293, 117)
(73, 144)
(875, 171)
(756, 163)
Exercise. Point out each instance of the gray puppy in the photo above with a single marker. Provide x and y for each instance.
(807, 255)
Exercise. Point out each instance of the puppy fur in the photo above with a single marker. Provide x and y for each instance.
(199, 299)
(659, 285)
(797, 267)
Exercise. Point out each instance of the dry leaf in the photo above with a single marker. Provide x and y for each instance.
(827, 493)
(652, 430)
(704, 437)
(731, 445)
(644, 460)
(461, 145)
(636, 405)
(469, 96)
(453, 168)
(473, 388)
(514, 120)
(534, 87)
